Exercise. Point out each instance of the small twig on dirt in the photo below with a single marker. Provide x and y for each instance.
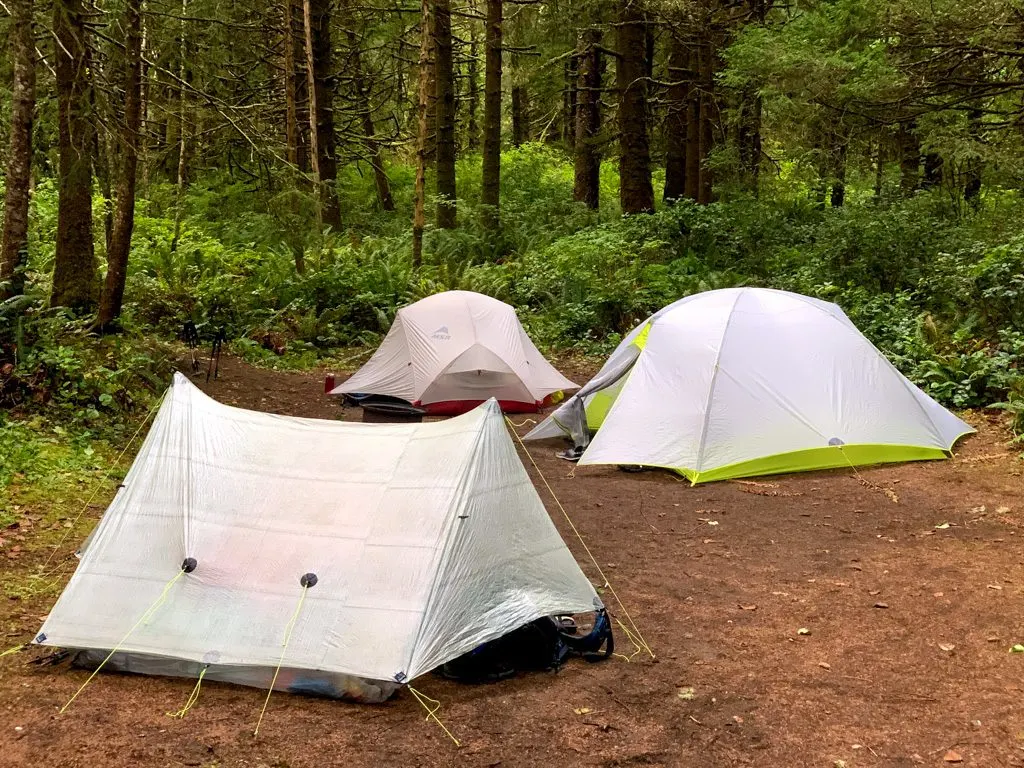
(698, 722)
(644, 515)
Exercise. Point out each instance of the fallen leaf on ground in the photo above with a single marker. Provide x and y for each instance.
(946, 646)
(953, 757)
(994, 586)
(803, 631)
(1002, 510)
(686, 694)
(1018, 648)
(824, 665)
(881, 605)
(748, 607)
(583, 711)
(943, 526)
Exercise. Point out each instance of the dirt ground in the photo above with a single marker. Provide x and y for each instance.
(821, 619)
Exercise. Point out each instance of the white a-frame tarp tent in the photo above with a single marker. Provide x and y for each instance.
(426, 540)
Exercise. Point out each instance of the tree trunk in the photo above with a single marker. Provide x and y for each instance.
(182, 174)
(491, 182)
(124, 213)
(587, 182)
(291, 112)
(838, 175)
(972, 170)
(473, 97)
(636, 193)
(694, 121)
(910, 159)
(444, 75)
(748, 138)
(520, 116)
(879, 171)
(419, 219)
(705, 186)
(317, 21)
(74, 271)
(932, 178)
(569, 103)
(363, 99)
(676, 123)
(14, 253)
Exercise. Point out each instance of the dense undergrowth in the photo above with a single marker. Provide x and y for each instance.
(941, 292)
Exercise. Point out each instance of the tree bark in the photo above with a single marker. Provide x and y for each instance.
(587, 159)
(910, 159)
(569, 103)
(14, 252)
(932, 178)
(74, 271)
(124, 211)
(423, 95)
(182, 174)
(473, 96)
(677, 125)
(838, 196)
(291, 112)
(705, 186)
(317, 20)
(363, 96)
(636, 193)
(694, 121)
(491, 182)
(444, 74)
(972, 170)
(520, 116)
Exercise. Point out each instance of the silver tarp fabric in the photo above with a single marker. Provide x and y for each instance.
(426, 540)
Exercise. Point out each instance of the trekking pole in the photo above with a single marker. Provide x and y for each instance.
(218, 342)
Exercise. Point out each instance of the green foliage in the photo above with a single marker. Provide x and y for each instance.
(942, 297)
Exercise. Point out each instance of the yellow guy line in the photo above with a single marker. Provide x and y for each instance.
(102, 482)
(142, 619)
(432, 711)
(284, 649)
(636, 630)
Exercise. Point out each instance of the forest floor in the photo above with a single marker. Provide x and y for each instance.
(823, 619)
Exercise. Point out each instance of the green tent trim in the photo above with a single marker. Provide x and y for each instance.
(827, 457)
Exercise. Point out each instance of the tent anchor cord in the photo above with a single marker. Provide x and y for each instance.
(192, 697)
(142, 620)
(865, 481)
(432, 711)
(635, 629)
(284, 649)
(104, 479)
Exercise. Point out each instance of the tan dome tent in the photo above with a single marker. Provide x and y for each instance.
(751, 381)
(451, 351)
(393, 548)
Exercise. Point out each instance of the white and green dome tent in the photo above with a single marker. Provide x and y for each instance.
(422, 541)
(750, 381)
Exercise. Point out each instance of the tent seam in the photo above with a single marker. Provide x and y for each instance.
(714, 380)
(452, 525)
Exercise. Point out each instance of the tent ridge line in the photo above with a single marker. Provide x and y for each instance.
(452, 527)
(714, 380)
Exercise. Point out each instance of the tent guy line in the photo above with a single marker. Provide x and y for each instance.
(634, 635)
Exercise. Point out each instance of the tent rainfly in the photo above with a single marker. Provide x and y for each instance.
(449, 352)
(413, 544)
(751, 381)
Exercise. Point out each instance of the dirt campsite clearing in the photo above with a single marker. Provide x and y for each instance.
(823, 619)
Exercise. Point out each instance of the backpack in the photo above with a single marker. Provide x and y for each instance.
(542, 645)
